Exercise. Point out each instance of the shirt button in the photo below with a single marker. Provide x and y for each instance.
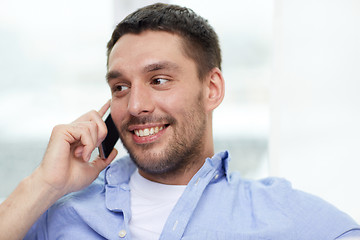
(216, 176)
(122, 233)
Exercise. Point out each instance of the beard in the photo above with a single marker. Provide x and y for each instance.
(183, 148)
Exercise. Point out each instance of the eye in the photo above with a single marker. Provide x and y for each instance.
(120, 88)
(159, 81)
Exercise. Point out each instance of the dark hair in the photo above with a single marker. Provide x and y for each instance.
(200, 40)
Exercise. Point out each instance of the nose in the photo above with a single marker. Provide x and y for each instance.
(140, 100)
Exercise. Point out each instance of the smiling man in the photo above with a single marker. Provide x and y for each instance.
(168, 141)
(164, 73)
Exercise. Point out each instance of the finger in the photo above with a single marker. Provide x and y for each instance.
(94, 114)
(81, 134)
(104, 108)
(101, 130)
(100, 164)
(96, 117)
(88, 141)
(96, 126)
(89, 116)
(93, 129)
(79, 151)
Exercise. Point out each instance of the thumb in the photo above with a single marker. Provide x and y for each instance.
(100, 164)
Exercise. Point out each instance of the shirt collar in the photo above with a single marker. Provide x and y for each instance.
(121, 170)
(216, 166)
(220, 161)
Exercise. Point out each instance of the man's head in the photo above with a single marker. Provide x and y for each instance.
(200, 42)
(161, 102)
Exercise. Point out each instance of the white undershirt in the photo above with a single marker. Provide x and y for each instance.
(151, 204)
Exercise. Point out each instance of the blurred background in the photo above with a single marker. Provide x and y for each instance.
(291, 109)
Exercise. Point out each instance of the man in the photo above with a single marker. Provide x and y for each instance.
(164, 73)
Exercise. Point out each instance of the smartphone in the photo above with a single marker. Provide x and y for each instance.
(110, 140)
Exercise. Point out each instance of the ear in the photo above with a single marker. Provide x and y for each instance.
(215, 89)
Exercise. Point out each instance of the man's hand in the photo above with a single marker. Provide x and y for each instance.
(66, 167)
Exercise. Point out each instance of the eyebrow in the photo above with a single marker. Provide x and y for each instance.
(160, 66)
(114, 74)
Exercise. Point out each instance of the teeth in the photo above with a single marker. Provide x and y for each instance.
(147, 131)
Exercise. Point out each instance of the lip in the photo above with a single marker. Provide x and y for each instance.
(147, 139)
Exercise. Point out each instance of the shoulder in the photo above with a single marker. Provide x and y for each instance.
(272, 189)
(306, 212)
(279, 193)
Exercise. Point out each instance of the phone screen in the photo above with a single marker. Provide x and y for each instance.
(110, 140)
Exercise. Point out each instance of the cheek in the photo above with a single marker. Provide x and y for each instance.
(181, 100)
(172, 102)
(118, 111)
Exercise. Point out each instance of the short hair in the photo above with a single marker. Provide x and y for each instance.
(200, 41)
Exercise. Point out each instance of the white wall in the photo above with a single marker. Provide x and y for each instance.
(52, 69)
(315, 99)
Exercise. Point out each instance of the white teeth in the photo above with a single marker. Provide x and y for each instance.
(147, 131)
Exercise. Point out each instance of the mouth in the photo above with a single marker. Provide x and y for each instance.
(148, 131)
(146, 134)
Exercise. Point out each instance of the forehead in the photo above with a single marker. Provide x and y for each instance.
(136, 50)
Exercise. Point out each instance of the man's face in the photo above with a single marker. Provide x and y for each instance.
(157, 101)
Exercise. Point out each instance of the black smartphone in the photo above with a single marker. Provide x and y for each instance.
(110, 140)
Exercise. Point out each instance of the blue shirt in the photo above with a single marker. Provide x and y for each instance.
(214, 205)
